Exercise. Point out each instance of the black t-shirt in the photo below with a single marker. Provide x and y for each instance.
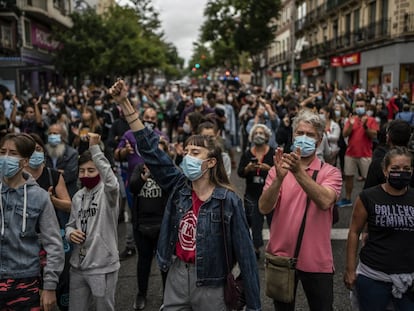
(389, 247)
(254, 180)
(50, 177)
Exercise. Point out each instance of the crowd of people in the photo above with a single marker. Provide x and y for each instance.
(73, 162)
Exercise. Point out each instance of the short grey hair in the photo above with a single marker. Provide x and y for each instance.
(307, 116)
(267, 131)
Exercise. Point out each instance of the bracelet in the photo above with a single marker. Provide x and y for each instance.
(130, 122)
(128, 115)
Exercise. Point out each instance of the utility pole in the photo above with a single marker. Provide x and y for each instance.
(293, 44)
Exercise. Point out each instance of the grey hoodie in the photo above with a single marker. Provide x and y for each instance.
(20, 239)
(95, 212)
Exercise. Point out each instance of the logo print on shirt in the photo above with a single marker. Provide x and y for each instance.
(187, 231)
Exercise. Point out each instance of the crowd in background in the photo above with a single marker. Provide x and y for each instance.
(242, 118)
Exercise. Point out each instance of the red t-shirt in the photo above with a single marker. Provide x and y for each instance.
(185, 248)
(359, 144)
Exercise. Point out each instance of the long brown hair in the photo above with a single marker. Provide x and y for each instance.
(93, 123)
(218, 174)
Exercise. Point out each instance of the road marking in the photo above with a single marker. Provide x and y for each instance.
(336, 234)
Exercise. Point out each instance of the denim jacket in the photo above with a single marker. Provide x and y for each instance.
(211, 265)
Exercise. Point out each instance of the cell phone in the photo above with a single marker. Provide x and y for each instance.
(254, 160)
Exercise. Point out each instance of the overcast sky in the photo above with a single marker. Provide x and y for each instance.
(181, 21)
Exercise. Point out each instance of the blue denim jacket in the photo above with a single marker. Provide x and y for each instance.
(210, 262)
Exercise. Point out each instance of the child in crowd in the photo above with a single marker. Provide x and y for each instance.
(92, 227)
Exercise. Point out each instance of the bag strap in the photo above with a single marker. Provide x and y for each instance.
(225, 237)
(51, 183)
(302, 226)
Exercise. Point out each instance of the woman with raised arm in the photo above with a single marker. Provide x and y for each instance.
(202, 202)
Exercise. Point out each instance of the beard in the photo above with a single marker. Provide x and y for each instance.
(55, 151)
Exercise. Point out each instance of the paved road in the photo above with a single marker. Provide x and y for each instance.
(127, 277)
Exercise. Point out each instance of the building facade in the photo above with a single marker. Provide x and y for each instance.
(367, 43)
(281, 59)
(26, 46)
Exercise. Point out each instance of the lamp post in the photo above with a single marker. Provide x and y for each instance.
(293, 43)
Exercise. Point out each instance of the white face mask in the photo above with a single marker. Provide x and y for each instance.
(186, 128)
(370, 113)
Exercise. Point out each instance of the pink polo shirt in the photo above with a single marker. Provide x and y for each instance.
(315, 254)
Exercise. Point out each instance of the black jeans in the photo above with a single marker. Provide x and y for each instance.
(318, 288)
(146, 247)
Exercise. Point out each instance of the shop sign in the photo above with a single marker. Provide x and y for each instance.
(336, 61)
(312, 64)
(351, 59)
(346, 60)
(42, 38)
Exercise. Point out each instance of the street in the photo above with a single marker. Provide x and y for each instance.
(127, 284)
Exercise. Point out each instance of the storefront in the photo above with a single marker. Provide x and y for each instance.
(313, 71)
(347, 70)
(374, 80)
(407, 80)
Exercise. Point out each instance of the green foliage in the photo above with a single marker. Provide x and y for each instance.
(236, 26)
(117, 43)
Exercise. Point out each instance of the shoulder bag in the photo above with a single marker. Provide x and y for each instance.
(280, 271)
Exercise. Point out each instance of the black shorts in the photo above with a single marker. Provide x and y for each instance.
(20, 294)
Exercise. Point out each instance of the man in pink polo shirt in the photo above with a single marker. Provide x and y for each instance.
(287, 187)
(360, 130)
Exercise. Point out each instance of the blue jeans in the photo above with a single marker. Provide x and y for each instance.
(318, 288)
(376, 296)
(255, 220)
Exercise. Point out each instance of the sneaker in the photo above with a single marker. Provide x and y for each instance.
(140, 302)
(126, 253)
(344, 203)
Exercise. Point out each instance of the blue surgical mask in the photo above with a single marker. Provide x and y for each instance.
(54, 139)
(191, 167)
(144, 99)
(360, 111)
(36, 159)
(99, 108)
(319, 97)
(306, 144)
(9, 166)
(198, 101)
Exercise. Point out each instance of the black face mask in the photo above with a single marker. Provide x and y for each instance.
(150, 125)
(399, 179)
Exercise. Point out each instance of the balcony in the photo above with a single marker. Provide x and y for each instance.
(32, 5)
(337, 4)
(408, 22)
(377, 31)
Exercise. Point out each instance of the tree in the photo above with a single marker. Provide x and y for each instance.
(117, 43)
(236, 26)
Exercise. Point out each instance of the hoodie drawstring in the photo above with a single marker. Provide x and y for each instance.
(24, 210)
(2, 213)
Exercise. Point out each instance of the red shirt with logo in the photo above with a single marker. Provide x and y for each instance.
(185, 248)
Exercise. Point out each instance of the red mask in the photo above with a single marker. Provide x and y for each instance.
(90, 182)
